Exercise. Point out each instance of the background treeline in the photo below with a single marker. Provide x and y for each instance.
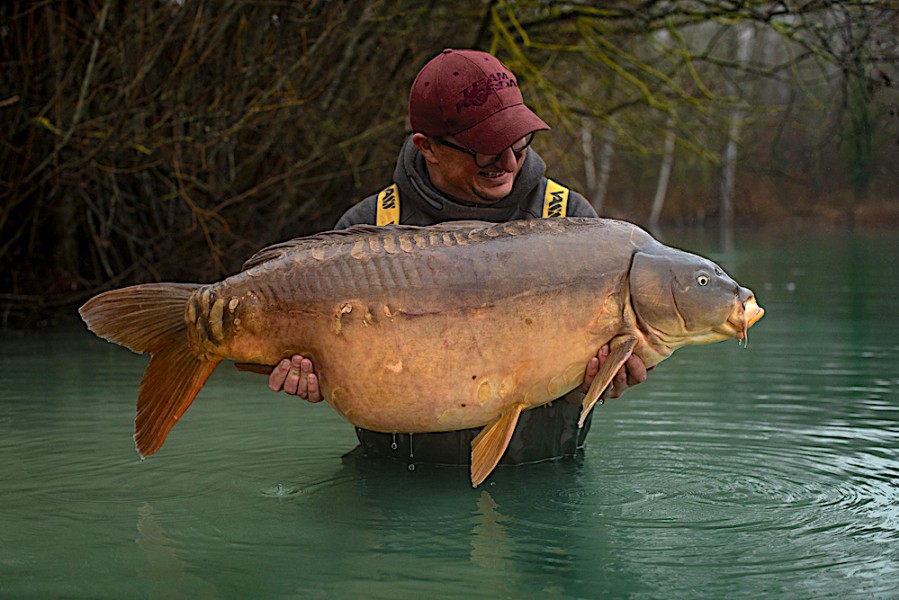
(170, 140)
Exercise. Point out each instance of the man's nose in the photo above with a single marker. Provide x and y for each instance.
(508, 161)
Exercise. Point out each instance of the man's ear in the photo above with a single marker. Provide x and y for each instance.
(425, 145)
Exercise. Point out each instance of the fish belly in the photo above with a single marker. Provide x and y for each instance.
(386, 370)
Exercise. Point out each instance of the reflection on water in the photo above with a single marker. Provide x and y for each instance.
(768, 471)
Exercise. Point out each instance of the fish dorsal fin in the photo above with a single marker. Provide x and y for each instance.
(472, 231)
(278, 250)
(620, 348)
(337, 236)
(490, 445)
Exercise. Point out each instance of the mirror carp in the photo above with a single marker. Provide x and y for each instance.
(426, 329)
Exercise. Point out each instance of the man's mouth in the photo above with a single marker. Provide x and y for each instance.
(492, 174)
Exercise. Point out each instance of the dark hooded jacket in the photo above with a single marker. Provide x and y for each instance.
(423, 204)
(546, 432)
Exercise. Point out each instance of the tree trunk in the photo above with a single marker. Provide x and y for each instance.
(729, 159)
(597, 184)
(664, 173)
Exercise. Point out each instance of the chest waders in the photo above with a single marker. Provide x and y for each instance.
(454, 447)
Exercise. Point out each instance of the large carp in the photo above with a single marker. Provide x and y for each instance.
(423, 329)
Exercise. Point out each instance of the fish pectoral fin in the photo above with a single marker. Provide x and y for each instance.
(620, 348)
(490, 445)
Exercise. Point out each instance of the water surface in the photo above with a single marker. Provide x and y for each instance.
(762, 472)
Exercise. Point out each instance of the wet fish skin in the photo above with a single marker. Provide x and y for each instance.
(439, 328)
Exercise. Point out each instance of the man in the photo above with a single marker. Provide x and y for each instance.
(469, 158)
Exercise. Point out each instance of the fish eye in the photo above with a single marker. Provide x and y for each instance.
(702, 279)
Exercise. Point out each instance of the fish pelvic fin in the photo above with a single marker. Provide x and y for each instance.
(620, 348)
(151, 318)
(489, 446)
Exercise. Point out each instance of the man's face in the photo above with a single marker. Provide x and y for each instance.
(455, 172)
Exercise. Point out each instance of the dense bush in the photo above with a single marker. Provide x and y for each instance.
(170, 140)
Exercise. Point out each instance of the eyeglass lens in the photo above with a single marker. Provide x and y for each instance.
(488, 160)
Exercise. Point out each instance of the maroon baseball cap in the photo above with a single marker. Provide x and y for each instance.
(473, 97)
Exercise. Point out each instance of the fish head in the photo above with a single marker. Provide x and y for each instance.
(684, 299)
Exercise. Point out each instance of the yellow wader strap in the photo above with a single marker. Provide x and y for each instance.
(555, 200)
(387, 211)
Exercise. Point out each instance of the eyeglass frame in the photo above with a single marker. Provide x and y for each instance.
(529, 138)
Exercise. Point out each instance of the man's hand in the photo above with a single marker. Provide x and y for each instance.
(630, 374)
(296, 376)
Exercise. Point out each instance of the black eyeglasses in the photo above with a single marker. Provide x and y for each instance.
(488, 160)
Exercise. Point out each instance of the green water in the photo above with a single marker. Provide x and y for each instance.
(767, 472)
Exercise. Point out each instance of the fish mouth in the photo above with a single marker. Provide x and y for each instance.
(743, 317)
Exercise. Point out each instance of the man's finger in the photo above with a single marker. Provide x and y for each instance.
(314, 394)
(292, 381)
(278, 375)
(592, 370)
(603, 354)
(636, 370)
(619, 383)
(590, 373)
(304, 368)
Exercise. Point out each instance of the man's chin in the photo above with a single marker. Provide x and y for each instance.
(494, 190)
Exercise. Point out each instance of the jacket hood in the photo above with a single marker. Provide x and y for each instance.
(411, 175)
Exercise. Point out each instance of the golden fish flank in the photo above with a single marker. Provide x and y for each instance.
(480, 321)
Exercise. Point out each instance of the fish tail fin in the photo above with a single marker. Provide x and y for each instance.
(140, 317)
(172, 381)
(150, 318)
